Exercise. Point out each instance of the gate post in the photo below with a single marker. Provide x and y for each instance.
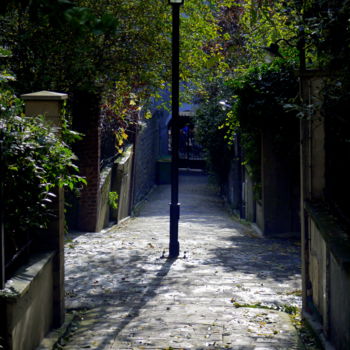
(49, 104)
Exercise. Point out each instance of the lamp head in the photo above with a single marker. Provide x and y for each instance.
(273, 50)
(224, 105)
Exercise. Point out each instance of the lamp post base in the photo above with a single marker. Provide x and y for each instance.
(174, 246)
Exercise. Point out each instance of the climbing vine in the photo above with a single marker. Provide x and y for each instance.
(259, 101)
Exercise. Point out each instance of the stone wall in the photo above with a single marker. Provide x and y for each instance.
(339, 316)
(115, 178)
(328, 300)
(33, 300)
(249, 197)
(26, 304)
(325, 244)
(103, 216)
(276, 213)
(234, 186)
(121, 184)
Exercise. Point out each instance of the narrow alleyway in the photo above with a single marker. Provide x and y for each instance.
(219, 294)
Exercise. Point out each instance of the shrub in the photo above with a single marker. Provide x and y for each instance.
(34, 161)
(211, 137)
(262, 100)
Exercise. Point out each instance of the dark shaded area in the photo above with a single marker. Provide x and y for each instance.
(276, 259)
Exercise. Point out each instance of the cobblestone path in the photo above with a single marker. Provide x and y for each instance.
(225, 291)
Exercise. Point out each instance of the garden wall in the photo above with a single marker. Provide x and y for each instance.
(131, 176)
(27, 308)
(103, 210)
(121, 184)
(115, 178)
(32, 301)
(329, 274)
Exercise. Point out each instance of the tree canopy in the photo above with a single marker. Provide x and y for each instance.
(85, 44)
(265, 45)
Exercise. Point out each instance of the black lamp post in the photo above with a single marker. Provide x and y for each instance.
(174, 246)
(2, 233)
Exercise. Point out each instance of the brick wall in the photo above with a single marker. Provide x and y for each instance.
(146, 154)
(86, 119)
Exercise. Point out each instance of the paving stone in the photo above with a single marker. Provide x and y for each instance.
(134, 299)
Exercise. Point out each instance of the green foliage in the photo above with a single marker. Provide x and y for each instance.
(259, 92)
(113, 200)
(34, 162)
(85, 44)
(328, 29)
(120, 49)
(266, 22)
(251, 146)
(322, 24)
(289, 309)
(259, 101)
(211, 136)
(260, 96)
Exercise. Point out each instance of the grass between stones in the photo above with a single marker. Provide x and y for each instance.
(307, 336)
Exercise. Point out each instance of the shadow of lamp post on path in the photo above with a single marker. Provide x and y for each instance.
(174, 246)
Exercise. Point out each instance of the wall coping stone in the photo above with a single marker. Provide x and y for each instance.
(44, 96)
(336, 238)
(17, 287)
(104, 174)
(125, 156)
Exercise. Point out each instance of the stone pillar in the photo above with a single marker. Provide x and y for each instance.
(49, 104)
(45, 103)
(312, 170)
